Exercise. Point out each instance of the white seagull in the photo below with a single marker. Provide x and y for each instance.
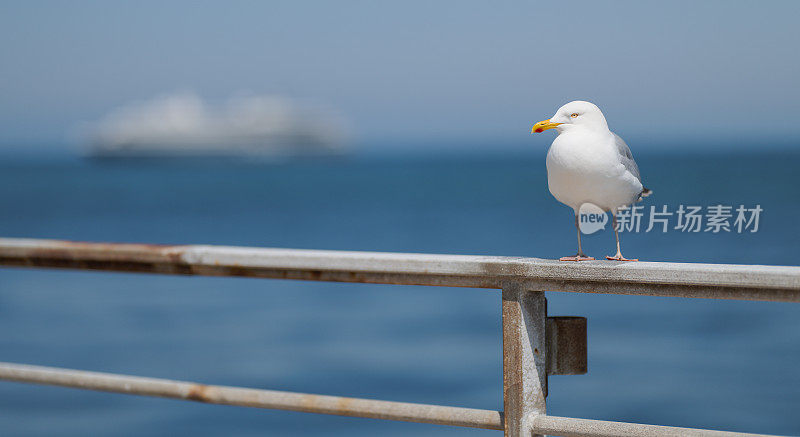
(587, 163)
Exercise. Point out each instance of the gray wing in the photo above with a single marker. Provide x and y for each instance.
(626, 157)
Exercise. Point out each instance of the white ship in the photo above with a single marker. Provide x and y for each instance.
(182, 125)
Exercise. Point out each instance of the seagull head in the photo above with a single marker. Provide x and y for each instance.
(577, 114)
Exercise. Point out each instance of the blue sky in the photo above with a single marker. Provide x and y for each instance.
(412, 71)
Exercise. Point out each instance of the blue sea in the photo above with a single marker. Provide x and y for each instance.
(716, 364)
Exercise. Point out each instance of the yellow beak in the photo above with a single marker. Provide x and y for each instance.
(543, 126)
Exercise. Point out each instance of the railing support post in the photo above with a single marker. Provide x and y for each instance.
(524, 361)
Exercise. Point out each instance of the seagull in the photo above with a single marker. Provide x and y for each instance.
(587, 163)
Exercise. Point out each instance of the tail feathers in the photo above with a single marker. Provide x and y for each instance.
(645, 192)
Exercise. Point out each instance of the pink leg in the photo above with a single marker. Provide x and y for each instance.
(618, 256)
(580, 256)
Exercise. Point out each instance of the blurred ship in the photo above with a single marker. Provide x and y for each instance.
(182, 125)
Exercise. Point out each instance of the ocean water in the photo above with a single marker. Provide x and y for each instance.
(685, 362)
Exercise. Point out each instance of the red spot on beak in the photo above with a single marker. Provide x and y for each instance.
(539, 130)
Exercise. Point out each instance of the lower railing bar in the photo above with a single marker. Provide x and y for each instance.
(248, 397)
(571, 427)
(341, 406)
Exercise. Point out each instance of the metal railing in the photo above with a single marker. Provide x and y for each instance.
(534, 345)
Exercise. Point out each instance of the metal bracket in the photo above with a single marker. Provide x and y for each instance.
(566, 346)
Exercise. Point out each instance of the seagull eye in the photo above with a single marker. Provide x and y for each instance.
(574, 114)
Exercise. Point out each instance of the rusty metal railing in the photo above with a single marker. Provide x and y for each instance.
(534, 345)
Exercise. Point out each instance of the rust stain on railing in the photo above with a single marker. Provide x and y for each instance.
(126, 257)
(198, 393)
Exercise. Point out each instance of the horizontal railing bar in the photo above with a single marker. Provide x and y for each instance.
(248, 397)
(572, 427)
(341, 406)
(718, 281)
